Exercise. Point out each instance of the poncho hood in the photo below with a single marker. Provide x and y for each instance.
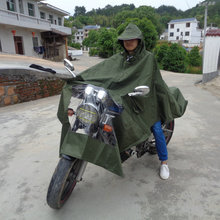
(131, 32)
(120, 74)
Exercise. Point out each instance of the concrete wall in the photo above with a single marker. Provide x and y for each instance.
(18, 86)
(211, 58)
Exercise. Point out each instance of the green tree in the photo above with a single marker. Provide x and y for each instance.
(68, 23)
(161, 52)
(77, 24)
(79, 10)
(175, 59)
(140, 13)
(194, 58)
(148, 30)
(75, 45)
(92, 39)
(107, 42)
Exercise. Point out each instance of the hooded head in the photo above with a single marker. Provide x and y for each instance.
(131, 32)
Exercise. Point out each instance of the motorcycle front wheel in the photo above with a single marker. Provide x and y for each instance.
(63, 182)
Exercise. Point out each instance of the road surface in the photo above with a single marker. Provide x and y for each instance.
(29, 140)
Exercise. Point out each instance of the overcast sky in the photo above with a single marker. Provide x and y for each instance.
(69, 5)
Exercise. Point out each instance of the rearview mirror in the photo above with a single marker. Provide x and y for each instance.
(140, 91)
(68, 64)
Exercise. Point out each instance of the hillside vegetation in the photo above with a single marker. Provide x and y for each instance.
(113, 16)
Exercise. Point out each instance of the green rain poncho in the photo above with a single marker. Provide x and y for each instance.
(120, 74)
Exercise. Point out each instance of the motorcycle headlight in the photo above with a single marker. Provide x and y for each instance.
(89, 90)
(87, 114)
(102, 95)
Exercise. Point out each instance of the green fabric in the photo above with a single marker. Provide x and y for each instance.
(120, 74)
(131, 32)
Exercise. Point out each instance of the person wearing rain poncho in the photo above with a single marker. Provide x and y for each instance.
(119, 75)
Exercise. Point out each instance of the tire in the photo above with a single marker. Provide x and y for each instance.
(168, 129)
(63, 182)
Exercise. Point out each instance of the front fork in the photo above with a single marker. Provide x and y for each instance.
(81, 169)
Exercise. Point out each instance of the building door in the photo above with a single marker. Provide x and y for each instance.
(18, 45)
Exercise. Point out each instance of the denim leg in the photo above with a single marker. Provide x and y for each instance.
(160, 141)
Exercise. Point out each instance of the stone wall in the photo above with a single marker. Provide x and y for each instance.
(18, 86)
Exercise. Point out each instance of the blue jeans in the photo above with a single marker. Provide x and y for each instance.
(160, 141)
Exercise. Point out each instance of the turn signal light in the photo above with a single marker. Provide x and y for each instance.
(107, 128)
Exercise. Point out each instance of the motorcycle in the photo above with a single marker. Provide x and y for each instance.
(94, 114)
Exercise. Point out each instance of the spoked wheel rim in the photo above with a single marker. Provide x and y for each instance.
(70, 181)
(168, 132)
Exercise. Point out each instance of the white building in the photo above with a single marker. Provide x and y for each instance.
(185, 31)
(81, 34)
(32, 28)
(164, 35)
(211, 60)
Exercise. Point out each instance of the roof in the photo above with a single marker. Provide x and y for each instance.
(53, 8)
(92, 27)
(183, 20)
(59, 32)
(213, 32)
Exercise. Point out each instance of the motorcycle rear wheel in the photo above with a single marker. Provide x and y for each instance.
(63, 182)
(168, 129)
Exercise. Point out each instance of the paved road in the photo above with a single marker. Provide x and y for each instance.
(29, 139)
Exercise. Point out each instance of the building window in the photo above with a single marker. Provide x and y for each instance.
(171, 34)
(31, 9)
(59, 21)
(35, 41)
(77, 38)
(181, 34)
(51, 18)
(186, 41)
(172, 26)
(177, 38)
(178, 30)
(187, 33)
(42, 15)
(21, 8)
(55, 21)
(187, 24)
(11, 5)
(0, 46)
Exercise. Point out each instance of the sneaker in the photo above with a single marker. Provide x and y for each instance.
(164, 171)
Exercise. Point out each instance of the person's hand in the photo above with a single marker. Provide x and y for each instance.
(70, 112)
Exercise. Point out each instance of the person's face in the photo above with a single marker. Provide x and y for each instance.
(130, 45)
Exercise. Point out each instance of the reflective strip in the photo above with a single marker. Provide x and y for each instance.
(88, 111)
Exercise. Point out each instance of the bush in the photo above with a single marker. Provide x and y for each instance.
(160, 52)
(194, 57)
(76, 45)
(93, 52)
(194, 69)
(175, 59)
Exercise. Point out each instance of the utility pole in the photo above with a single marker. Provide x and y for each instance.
(206, 4)
(205, 20)
(205, 27)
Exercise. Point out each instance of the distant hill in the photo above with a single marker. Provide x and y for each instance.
(111, 16)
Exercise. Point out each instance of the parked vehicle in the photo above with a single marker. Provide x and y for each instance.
(93, 116)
